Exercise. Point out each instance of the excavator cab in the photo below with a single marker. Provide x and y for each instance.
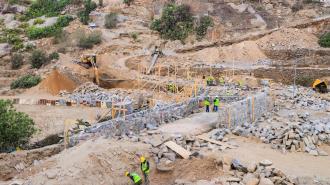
(320, 86)
(89, 61)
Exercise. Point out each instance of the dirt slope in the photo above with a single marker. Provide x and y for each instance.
(55, 82)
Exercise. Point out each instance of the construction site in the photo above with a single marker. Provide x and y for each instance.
(246, 103)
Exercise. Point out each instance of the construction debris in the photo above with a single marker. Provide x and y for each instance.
(178, 149)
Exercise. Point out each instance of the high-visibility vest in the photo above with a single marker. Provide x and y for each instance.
(216, 102)
(221, 80)
(206, 102)
(136, 177)
(145, 167)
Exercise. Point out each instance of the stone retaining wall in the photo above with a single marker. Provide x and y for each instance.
(140, 120)
(240, 112)
(245, 111)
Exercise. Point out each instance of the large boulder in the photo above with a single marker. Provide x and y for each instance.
(49, 21)
(7, 8)
(4, 49)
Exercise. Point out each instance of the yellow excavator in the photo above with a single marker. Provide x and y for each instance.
(320, 86)
(88, 61)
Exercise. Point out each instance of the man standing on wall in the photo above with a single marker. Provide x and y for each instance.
(216, 103)
(207, 104)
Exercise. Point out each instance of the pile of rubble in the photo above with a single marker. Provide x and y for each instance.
(237, 173)
(303, 98)
(88, 88)
(164, 155)
(295, 138)
(90, 92)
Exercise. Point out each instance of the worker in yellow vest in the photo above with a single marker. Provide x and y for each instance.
(145, 168)
(216, 103)
(134, 177)
(207, 104)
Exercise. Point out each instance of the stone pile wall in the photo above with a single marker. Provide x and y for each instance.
(245, 111)
(135, 122)
(237, 113)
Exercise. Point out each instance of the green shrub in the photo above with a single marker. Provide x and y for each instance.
(48, 31)
(110, 20)
(83, 15)
(29, 47)
(38, 21)
(63, 21)
(45, 7)
(11, 2)
(134, 36)
(128, 2)
(88, 41)
(175, 23)
(204, 24)
(101, 3)
(38, 33)
(16, 128)
(54, 56)
(16, 61)
(38, 58)
(11, 36)
(24, 82)
(324, 40)
(24, 25)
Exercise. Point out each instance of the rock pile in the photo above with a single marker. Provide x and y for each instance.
(164, 155)
(304, 99)
(87, 88)
(294, 138)
(263, 173)
(90, 92)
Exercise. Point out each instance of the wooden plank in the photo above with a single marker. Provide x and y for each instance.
(178, 149)
(206, 138)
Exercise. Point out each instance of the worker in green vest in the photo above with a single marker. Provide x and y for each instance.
(222, 80)
(207, 104)
(134, 177)
(210, 81)
(145, 168)
(216, 103)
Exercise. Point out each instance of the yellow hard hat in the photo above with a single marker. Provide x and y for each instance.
(142, 159)
(126, 173)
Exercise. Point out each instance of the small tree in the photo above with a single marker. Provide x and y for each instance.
(84, 14)
(38, 58)
(325, 40)
(16, 128)
(16, 61)
(175, 23)
(134, 36)
(110, 20)
(54, 56)
(128, 2)
(204, 23)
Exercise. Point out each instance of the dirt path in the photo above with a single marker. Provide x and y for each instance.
(194, 125)
(294, 164)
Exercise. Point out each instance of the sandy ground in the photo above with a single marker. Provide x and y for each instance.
(50, 119)
(194, 125)
(293, 164)
(104, 161)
